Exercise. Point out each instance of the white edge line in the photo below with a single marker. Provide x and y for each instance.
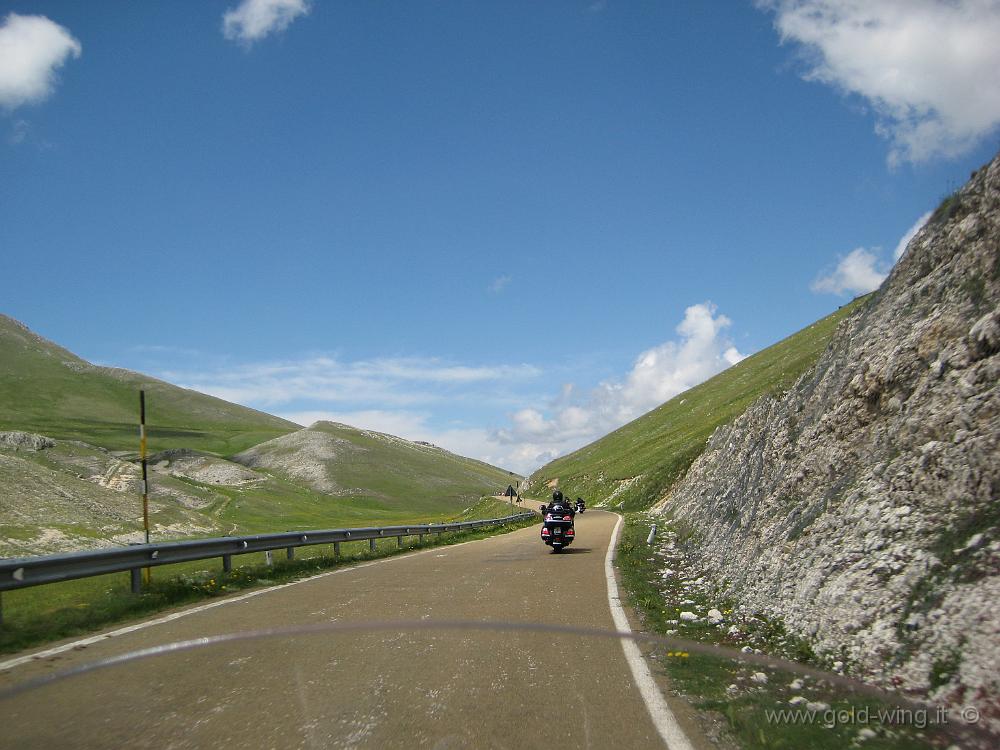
(18, 661)
(663, 718)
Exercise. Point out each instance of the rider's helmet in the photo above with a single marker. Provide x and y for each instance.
(557, 497)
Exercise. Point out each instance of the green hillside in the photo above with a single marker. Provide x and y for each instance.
(383, 472)
(49, 390)
(82, 488)
(637, 463)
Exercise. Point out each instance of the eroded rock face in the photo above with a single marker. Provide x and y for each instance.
(862, 506)
(306, 456)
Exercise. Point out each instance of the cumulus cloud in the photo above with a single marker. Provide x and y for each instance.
(252, 20)
(32, 49)
(927, 67)
(910, 234)
(856, 273)
(862, 270)
(574, 419)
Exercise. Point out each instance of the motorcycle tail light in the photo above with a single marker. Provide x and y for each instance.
(569, 532)
(567, 518)
(545, 532)
(548, 516)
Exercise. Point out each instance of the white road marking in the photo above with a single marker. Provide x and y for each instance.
(663, 718)
(83, 642)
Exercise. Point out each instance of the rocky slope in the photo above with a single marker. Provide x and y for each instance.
(862, 506)
(344, 461)
(63, 495)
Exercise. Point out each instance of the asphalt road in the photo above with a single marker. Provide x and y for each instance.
(385, 687)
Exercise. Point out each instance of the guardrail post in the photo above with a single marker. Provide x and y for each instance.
(1, 609)
(290, 553)
(399, 540)
(268, 558)
(136, 575)
(227, 563)
(420, 539)
(371, 544)
(336, 549)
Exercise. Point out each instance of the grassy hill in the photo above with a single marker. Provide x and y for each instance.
(82, 488)
(386, 472)
(638, 462)
(48, 390)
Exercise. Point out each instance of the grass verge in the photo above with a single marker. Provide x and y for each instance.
(41, 614)
(661, 583)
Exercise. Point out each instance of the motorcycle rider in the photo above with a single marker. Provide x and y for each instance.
(557, 499)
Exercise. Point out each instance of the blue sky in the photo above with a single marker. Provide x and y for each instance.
(506, 227)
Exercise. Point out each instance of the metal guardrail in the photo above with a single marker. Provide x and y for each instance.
(21, 572)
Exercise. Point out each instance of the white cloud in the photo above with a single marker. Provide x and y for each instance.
(32, 49)
(910, 234)
(657, 375)
(387, 381)
(409, 397)
(927, 67)
(499, 284)
(252, 20)
(861, 270)
(856, 273)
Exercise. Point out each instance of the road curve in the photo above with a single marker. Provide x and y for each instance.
(385, 687)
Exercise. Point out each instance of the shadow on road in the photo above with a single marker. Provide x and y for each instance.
(575, 551)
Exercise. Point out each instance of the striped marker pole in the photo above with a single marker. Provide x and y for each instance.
(145, 481)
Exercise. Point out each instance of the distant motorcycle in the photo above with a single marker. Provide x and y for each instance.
(581, 506)
(557, 527)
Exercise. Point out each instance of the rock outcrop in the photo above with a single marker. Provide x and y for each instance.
(862, 507)
(26, 441)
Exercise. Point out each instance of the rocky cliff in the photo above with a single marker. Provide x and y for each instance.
(862, 506)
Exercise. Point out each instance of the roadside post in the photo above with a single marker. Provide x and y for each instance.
(145, 479)
(510, 492)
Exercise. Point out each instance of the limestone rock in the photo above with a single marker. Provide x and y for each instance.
(860, 507)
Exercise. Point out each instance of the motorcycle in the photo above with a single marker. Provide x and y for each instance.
(581, 506)
(557, 527)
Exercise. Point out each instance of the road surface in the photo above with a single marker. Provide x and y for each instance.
(385, 687)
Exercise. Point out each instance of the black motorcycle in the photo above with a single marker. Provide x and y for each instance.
(581, 506)
(557, 526)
